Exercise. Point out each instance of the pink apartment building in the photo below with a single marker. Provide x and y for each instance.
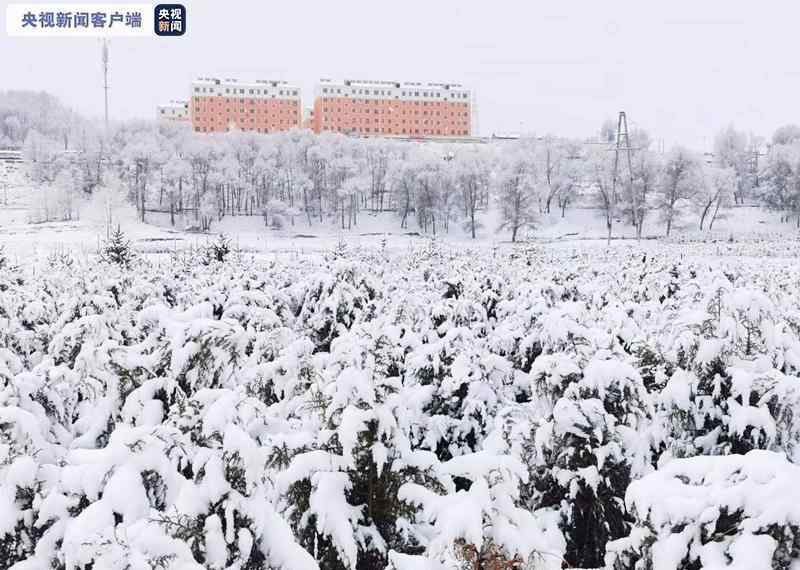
(356, 107)
(262, 106)
(390, 108)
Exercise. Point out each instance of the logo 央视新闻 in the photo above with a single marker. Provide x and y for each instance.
(170, 19)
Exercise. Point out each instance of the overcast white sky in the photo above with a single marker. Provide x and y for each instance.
(681, 69)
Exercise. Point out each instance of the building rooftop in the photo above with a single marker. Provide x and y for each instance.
(396, 84)
(242, 83)
(175, 104)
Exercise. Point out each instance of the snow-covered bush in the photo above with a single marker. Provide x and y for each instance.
(587, 449)
(363, 409)
(736, 511)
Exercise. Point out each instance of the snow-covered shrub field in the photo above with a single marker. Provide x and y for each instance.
(526, 408)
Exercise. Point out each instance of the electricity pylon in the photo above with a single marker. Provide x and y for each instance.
(623, 145)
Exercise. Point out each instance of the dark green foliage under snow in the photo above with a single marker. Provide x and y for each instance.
(117, 249)
(360, 409)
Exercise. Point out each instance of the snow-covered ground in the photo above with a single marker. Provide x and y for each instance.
(370, 399)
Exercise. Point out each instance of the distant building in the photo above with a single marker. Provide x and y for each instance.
(506, 136)
(389, 108)
(174, 111)
(262, 106)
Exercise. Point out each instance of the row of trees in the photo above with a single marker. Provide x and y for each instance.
(297, 176)
(654, 186)
(280, 178)
(330, 177)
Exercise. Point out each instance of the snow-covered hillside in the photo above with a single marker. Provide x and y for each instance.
(533, 407)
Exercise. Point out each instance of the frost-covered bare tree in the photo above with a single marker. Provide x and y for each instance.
(69, 187)
(429, 194)
(472, 174)
(715, 192)
(341, 173)
(732, 149)
(786, 134)
(448, 194)
(378, 155)
(559, 164)
(173, 177)
(780, 189)
(142, 158)
(570, 179)
(202, 157)
(600, 174)
(59, 177)
(516, 193)
(403, 176)
(107, 204)
(550, 156)
(41, 154)
(647, 167)
(679, 184)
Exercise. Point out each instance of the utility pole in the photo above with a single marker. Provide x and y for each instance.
(623, 145)
(105, 78)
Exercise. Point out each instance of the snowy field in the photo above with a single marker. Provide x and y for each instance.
(407, 403)
(311, 398)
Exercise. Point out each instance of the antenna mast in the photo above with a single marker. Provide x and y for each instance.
(105, 78)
